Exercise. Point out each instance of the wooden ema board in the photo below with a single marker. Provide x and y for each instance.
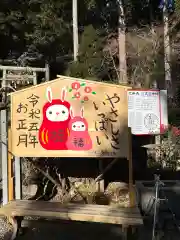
(70, 117)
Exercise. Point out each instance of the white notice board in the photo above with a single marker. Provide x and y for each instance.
(147, 111)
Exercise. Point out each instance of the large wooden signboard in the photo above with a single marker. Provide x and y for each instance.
(70, 117)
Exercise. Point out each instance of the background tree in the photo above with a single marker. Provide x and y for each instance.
(49, 28)
(35, 31)
(90, 60)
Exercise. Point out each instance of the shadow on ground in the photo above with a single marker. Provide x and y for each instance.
(68, 230)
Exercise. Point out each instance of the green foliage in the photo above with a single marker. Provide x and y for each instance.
(36, 26)
(43, 28)
(48, 27)
(167, 153)
(90, 59)
(177, 6)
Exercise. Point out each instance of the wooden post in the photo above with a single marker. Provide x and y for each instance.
(47, 74)
(100, 183)
(10, 169)
(131, 188)
(122, 44)
(18, 186)
(124, 232)
(167, 51)
(34, 78)
(75, 28)
(4, 145)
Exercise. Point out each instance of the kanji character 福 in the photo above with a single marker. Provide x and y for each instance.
(81, 143)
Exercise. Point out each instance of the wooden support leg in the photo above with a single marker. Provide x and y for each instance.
(124, 232)
(20, 229)
(134, 233)
(100, 184)
(133, 230)
(131, 188)
(14, 223)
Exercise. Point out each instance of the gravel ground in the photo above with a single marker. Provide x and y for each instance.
(84, 231)
(5, 229)
(47, 230)
(55, 230)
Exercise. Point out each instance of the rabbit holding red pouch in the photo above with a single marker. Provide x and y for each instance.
(53, 133)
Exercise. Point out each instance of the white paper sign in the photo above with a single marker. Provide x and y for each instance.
(144, 112)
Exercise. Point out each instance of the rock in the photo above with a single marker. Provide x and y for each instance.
(113, 186)
(78, 184)
(29, 191)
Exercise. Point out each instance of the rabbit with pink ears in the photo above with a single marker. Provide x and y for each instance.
(79, 138)
(53, 132)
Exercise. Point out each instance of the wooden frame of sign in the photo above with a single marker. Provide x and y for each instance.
(70, 117)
